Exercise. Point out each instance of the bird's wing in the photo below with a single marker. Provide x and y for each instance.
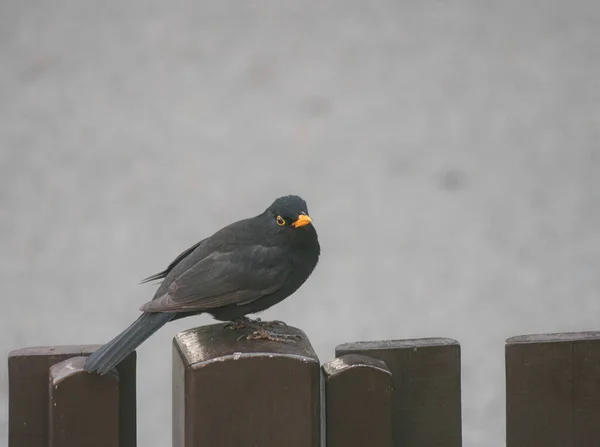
(176, 261)
(220, 279)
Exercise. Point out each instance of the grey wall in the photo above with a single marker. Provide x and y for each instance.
(448, 151)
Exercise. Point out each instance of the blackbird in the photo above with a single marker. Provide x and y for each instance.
(244, 268)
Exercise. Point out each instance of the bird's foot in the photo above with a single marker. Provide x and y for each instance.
(235, 325)
(262, 334)
(269, 325)
(258, 324)
(275, 323)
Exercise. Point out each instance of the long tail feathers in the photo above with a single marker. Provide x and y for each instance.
(115, 351)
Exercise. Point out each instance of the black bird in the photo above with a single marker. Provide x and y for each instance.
(242, 269)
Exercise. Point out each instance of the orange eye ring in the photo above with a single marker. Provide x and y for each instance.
(280, 221)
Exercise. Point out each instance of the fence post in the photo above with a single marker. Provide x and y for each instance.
(553, 390)
(426, 399)
(83, 407)
(358, 392)
(230, 393)
(29, 394)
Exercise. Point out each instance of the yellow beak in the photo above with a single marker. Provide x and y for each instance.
(302, 220)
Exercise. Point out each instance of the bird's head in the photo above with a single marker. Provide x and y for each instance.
(289, 212)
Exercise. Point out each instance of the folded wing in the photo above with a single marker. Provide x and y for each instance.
(220, 279)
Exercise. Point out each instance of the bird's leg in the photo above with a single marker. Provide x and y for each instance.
(272, 323)
(262, 334)
(262, 330)
(245, 322)
(269, 324)
(239, 323)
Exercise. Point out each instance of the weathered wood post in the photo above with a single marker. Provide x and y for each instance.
(244, 393)
(54, 402)
(426, 388)
(358, 392)
(553, 390)
(83, 407)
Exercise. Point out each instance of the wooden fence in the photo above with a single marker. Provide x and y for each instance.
(258, 393)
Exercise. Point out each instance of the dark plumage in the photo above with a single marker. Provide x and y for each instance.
(244, 268)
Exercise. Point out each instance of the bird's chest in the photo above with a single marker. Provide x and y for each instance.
(300, 266)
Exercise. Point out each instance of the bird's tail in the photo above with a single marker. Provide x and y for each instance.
(113, 352)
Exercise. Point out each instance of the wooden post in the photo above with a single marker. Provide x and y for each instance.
(244, 393)
(553, 390)
(29, 397)
(358, 392)
(426, 388)
(83, 407)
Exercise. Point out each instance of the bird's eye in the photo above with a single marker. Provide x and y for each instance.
(280, 221)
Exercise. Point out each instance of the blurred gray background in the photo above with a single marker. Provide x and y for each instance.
(448, 152)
